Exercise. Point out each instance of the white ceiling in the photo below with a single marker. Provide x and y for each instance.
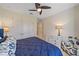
(24, 7)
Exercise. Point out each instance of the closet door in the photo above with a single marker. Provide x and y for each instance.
(17, 28)
(26, 30)
(24, 27)
(29, 26)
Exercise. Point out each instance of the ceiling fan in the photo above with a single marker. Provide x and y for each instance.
(39, 8)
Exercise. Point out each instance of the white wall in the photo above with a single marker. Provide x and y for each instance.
(66, 18)
(77, 21)
(20, 25)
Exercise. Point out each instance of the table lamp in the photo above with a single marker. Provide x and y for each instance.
(6, 29)
(59, 27)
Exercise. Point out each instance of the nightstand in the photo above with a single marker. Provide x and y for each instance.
(55, 40)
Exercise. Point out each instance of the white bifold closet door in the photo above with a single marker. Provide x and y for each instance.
(24, 27)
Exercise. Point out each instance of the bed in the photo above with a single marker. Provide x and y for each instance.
(34, 46)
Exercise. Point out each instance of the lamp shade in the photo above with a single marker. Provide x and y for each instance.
(58, 26)
(6, 29)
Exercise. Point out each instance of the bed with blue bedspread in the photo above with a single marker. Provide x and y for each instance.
(34, 46)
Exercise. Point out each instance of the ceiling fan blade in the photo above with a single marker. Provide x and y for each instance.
(45, 7)
(37, 5)
(32, 10)
(40, 12)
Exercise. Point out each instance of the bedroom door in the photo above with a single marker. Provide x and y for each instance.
(40, 29)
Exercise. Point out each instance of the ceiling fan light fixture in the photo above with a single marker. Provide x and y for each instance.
(39, 9)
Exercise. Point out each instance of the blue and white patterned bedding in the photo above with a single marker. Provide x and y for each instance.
(8, 47)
